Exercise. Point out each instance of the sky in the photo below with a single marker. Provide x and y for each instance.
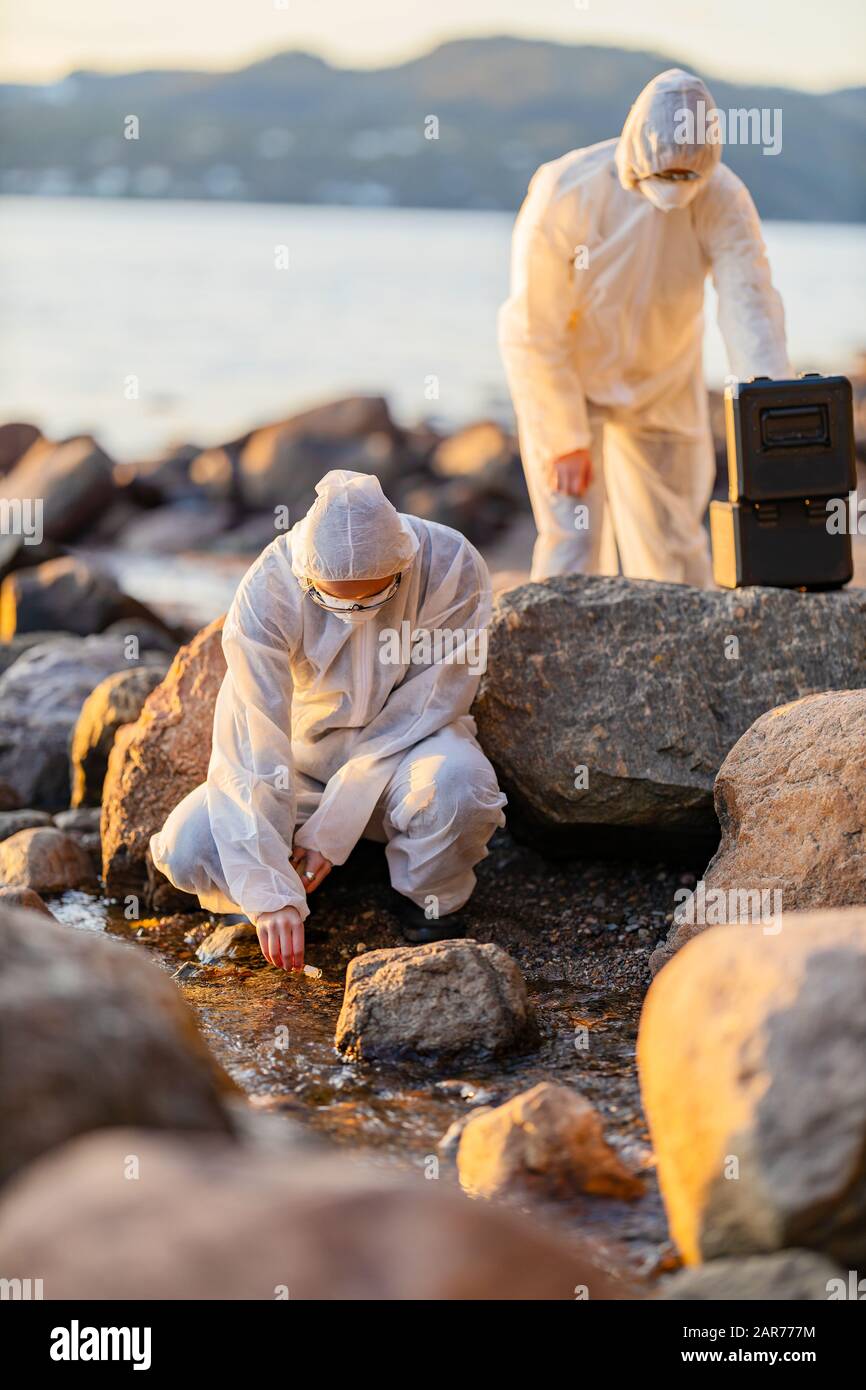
(791, 44)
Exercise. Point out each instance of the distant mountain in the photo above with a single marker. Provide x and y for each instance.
(294, 129)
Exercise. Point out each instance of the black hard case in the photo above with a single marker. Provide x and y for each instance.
(782, 544)
(790, 438)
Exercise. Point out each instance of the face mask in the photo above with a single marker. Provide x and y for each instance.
(350, 610)
(666, 195)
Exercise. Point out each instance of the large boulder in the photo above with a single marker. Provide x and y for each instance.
(74, 481)
(610, 704)
(65, 595)
(280, 464)
(157, 760)
(45, 860)
(549, 1140)
(791, 801)
(435, 1002)
(750, 1053)
(117, 700)
(207, 1220)
(41, 696)
(93, 1034)
(794, 1276)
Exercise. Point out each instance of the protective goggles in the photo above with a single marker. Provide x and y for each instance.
(341, 605)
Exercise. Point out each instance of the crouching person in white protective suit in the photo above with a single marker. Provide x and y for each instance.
(354, 649)
(602, 337)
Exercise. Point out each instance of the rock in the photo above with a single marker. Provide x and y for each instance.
(83, 824)
(155, 762)
(550, 1140)
(446, 999)
(177, 527)
(23, 897)
(791, 799)
(280, 464)
(13, 821)
(750, 1055)
(74, 479)
(224, 941)
(40, 700)
(447, 1146)
(461, 503)
(207, 1220)
(486, 453)
(792, 1275)
(93, 1034)
(116, 700)
(15, 439)
(610, 704)
(150, 637)
(9, 798)
(65, 595)
(21, 643)
(45, 859)
(166, 477)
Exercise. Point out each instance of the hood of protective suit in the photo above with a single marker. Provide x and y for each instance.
(351, 532)
(666, 128)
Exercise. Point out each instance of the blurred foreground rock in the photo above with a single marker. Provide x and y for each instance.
(750, 1054)
(609, 705)
(93, 1034)
(447, 999)
(117, 700)
(23, 897)
(210, 1221)
(157, 760)
(791, 1276)
(791, 800)
(548, 1140)
(41, 695)
(46, 860)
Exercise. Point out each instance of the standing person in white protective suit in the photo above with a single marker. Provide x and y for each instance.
(331, 724)
(602, 337)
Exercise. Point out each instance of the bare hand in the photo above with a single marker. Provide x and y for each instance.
(572, 473)
(281, 937)
(310, 862)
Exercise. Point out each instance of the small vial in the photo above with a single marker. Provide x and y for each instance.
(313, 972)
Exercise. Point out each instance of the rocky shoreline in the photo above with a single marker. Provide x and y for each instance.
(527, 1068)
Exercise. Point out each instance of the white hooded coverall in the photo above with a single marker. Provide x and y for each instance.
(602, 337)
(327, 728)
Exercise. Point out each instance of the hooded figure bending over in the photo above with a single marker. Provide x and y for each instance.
(343, 714)
(602, 337)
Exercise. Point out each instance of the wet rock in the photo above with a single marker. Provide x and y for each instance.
(65, 595)
(610, 704)
(23, 897)
(155, 762)
(74, 479)
(15, 439)
(45, 859)
(224, 941)
(93, 1034)
(790, 798)
(212, 1221)
(550, 1140)
(13, 821)
(41, 696)
(116, 700)
(177, 527)
(792, 1275)
(438, 1001)
(750, 1054)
